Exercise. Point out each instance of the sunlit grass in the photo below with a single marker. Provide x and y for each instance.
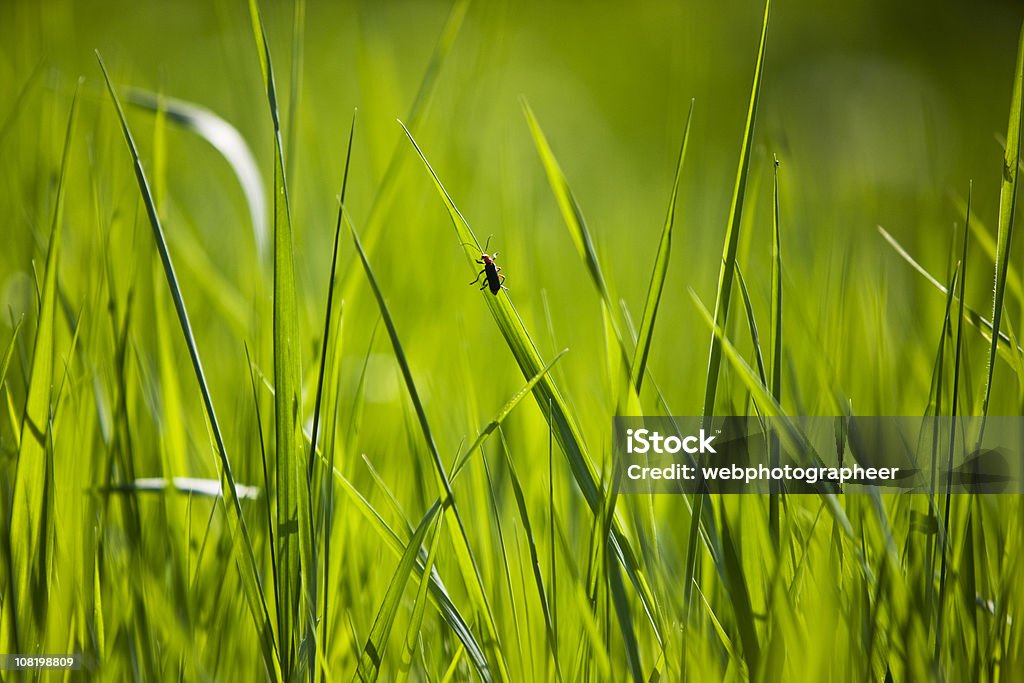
(341, 462)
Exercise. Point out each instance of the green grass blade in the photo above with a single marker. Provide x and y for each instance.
(387, 190)
(503, 413)
(548, 396)
(769, 406)
(776, 343)
(223, 137)
(9, 352)
(732, 235)
(373, 652)
(467, 564)
(248, 568)
(646, 332)
(419, 606)
(327, 508)
(619, 358)
(31, 522)
(572, 214)
(739, 594)
(1007, 213)
(982, 324)
(438, 592)
(531, 539)
(296, 552)
(752, 326)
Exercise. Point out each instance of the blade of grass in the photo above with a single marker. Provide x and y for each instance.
(224, 138)
(538, 577)
(525, 352)
(248, 568)
(503, 413)
(374, 650)
(419, 606)
(982, 324)
(572, 215)
(1007, 212)
(297, 561)
(954, 403)
(438, 592)
(387, 189)
(646, 332)
(775, 489)
(789, 432)
(732, 235)
(328, 482)
(467, 564)
(31, 525)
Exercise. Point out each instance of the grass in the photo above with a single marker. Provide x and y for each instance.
(240, 448)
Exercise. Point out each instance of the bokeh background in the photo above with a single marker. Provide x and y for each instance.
(879, 113)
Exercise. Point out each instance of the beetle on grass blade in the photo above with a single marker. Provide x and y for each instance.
(490, 272)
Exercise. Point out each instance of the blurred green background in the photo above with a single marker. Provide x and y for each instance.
(880, 113)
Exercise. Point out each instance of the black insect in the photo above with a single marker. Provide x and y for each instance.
(492, 277)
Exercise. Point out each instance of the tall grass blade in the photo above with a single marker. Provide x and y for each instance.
(31, 523)
(732, 235)
(438, 592)
(775, 489)
(790, 434)
(467, 564)
(538, 577)
(572, 215)
(248, 568)
(419, 606)
(548, 396)
(954, 404)
(373, 652)
(327, 509)
(1007, 213)
(646, 332)
(296, 553)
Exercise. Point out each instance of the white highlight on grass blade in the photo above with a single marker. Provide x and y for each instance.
(226, 139)
(190, 485)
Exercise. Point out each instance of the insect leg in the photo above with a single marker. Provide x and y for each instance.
(477, 277)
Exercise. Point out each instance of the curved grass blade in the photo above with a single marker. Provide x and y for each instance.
(549, 399)
(223, 137)
(646, 332)
(373, 652)
(467, 564)
(297, 553)
(248, 568)
(732, 235)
